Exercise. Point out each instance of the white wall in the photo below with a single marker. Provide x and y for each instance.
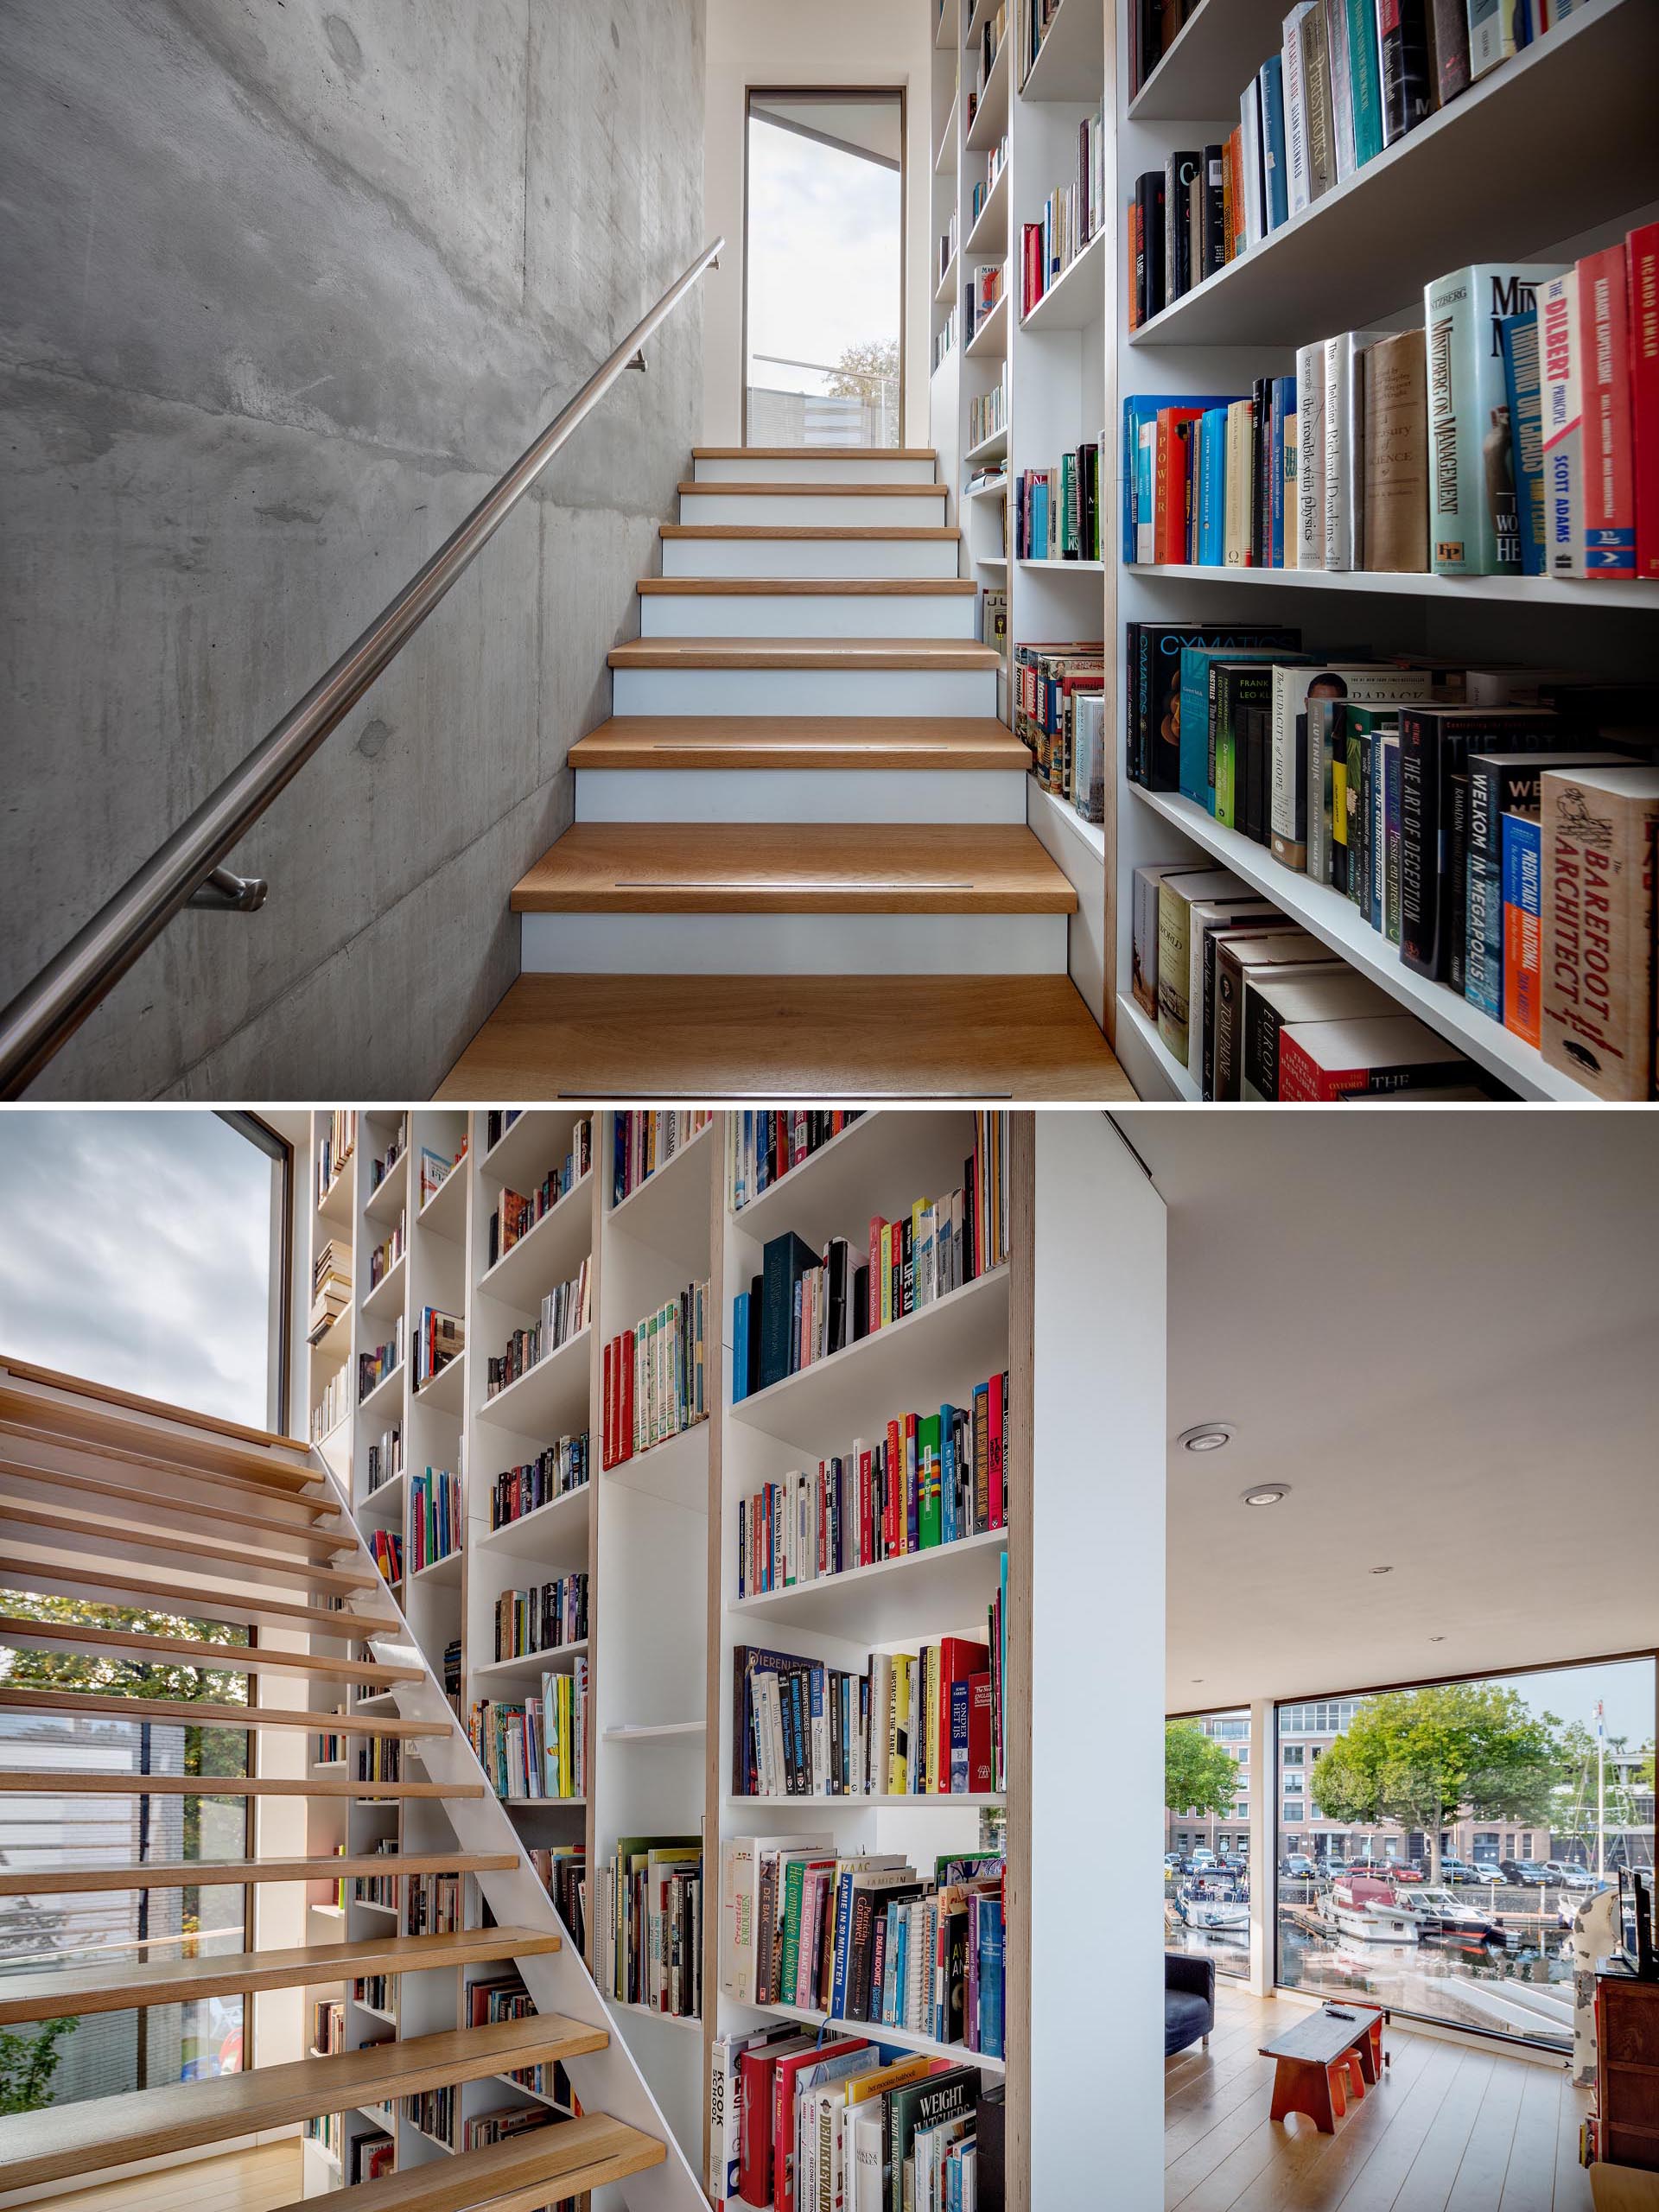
(803, 42)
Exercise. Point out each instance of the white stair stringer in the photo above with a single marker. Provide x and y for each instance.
(606, 2080)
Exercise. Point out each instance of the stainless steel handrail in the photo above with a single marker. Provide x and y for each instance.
(48, 1011)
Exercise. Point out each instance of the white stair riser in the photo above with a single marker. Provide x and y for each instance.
(793, 945)
(798, 614)
(813, 468)
(811, 556)
(731, 503)
(804, 691)
(800, 795)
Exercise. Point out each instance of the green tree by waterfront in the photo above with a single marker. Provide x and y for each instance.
(1419, 1757)
(1199, 1777)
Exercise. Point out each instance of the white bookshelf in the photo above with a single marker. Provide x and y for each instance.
(1054, 363)
(879, 1165)
(632, 1533)
(1504, 171)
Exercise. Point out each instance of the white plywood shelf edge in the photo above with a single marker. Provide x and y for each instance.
(1091, 836)
(651, 1731)
(991, 115)
(946, 152)
(1221, 44)
(1329, 916)
(1169, 1069)
(522, 1534)
(528, 1662)
(551, 1247)
(650, 2012)
(1077, 568)
(1069, 66)
(385, 1390)
(999, 490)
(994, 447)
(448, 1200)
(989, 342)
(1077, 296)
(904, 2039)
(989, 234)
(933, 1800)
(1582, 592)
(378, 1299)
(946, 285)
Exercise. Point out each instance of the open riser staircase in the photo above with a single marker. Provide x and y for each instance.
(803, 772)
(109, 1498)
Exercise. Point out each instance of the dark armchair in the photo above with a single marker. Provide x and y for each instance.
(1189, 2000)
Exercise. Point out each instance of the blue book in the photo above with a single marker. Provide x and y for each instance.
(740, 1347)
(1519, 337)
(1523, 876)
(1212, 488)
(1137, 474)
(844, 1928)
(1271, 79)
(947, 1474)
(991, 1976)
(959, 1694)
(1284, 475)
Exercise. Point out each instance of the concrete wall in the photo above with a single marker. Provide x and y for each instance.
(796, 43)
(284, 287)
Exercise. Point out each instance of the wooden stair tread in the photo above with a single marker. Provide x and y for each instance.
(112, 1536)
(108, 1394)
(514, 2175)
(37, 2147)
(815, 453)
(806, 587)
(934, 653)
(814, 490)
(903, 533)
(206, 1712)
(136, 1591)
(75, 1782)
(86, 1426)
(179, 1980)
(336, 1537)
(738, 1038)
(196, 1873)
(217, 1658)
(794, 868)
(802, 741)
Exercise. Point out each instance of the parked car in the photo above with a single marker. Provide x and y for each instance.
(1404, 1870)
(1459, 1869)
(1199, 1860)
(1174, 1860)
(1235, 1862)
(1573, 1876)
(1522, 1873)
(1299, 1868)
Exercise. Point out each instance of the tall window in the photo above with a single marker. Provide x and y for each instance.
(143, 1250)
(1441, 1790)
(824, 261)
(1206, 1899)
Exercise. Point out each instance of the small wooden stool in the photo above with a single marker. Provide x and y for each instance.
(1322, 2060)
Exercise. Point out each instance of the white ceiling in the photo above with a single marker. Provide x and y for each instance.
(1441, 1328)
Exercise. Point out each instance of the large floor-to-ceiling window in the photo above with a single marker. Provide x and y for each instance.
(823, 305)
(1434, 1844)
(143, 1251)
(1207, 1798)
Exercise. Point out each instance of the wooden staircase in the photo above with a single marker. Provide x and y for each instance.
(66, 1447)
(804, 818)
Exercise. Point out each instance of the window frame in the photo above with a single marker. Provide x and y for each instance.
(842, 92)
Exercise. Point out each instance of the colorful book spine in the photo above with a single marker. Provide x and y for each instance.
(1366, 80)
(1524, 397)
(1522, 909)
(1609, 462)
(1642, 248)
(1563, 439)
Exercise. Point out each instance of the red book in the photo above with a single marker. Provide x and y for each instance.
(609, 1411)
(890, 1537)
(625, 1423)
(754, 2073)
(1365, 1056)
(1609, 462)
(1642, 248)
(1169, 486)
(995, 1508)
(866, 1508)
(979, 1734)
(783, 2113)
(959, 1662)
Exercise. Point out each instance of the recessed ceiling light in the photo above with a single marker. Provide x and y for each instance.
(1208, 1436)
(1266, 1494)
(1381, 1570)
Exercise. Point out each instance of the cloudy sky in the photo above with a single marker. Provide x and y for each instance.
(824, 253)
(135, 1250)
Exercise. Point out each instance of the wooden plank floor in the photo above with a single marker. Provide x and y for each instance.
(1448, 2129)
(254, 2180)
(714, 1038)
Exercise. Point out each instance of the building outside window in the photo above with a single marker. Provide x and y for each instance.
(1574, 1784)
(1223, 1829)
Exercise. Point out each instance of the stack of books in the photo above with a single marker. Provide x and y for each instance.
(553, 1473)
(543, 1618)
(331, 1287)
(650, 1927)
(436, 1518)
(1072, 219)
(656, 1377)
(644, 1142)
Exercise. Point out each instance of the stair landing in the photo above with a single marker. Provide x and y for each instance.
(714, 1038)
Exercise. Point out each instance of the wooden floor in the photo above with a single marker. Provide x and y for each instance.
(1448, 2129)
(712, 1038)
